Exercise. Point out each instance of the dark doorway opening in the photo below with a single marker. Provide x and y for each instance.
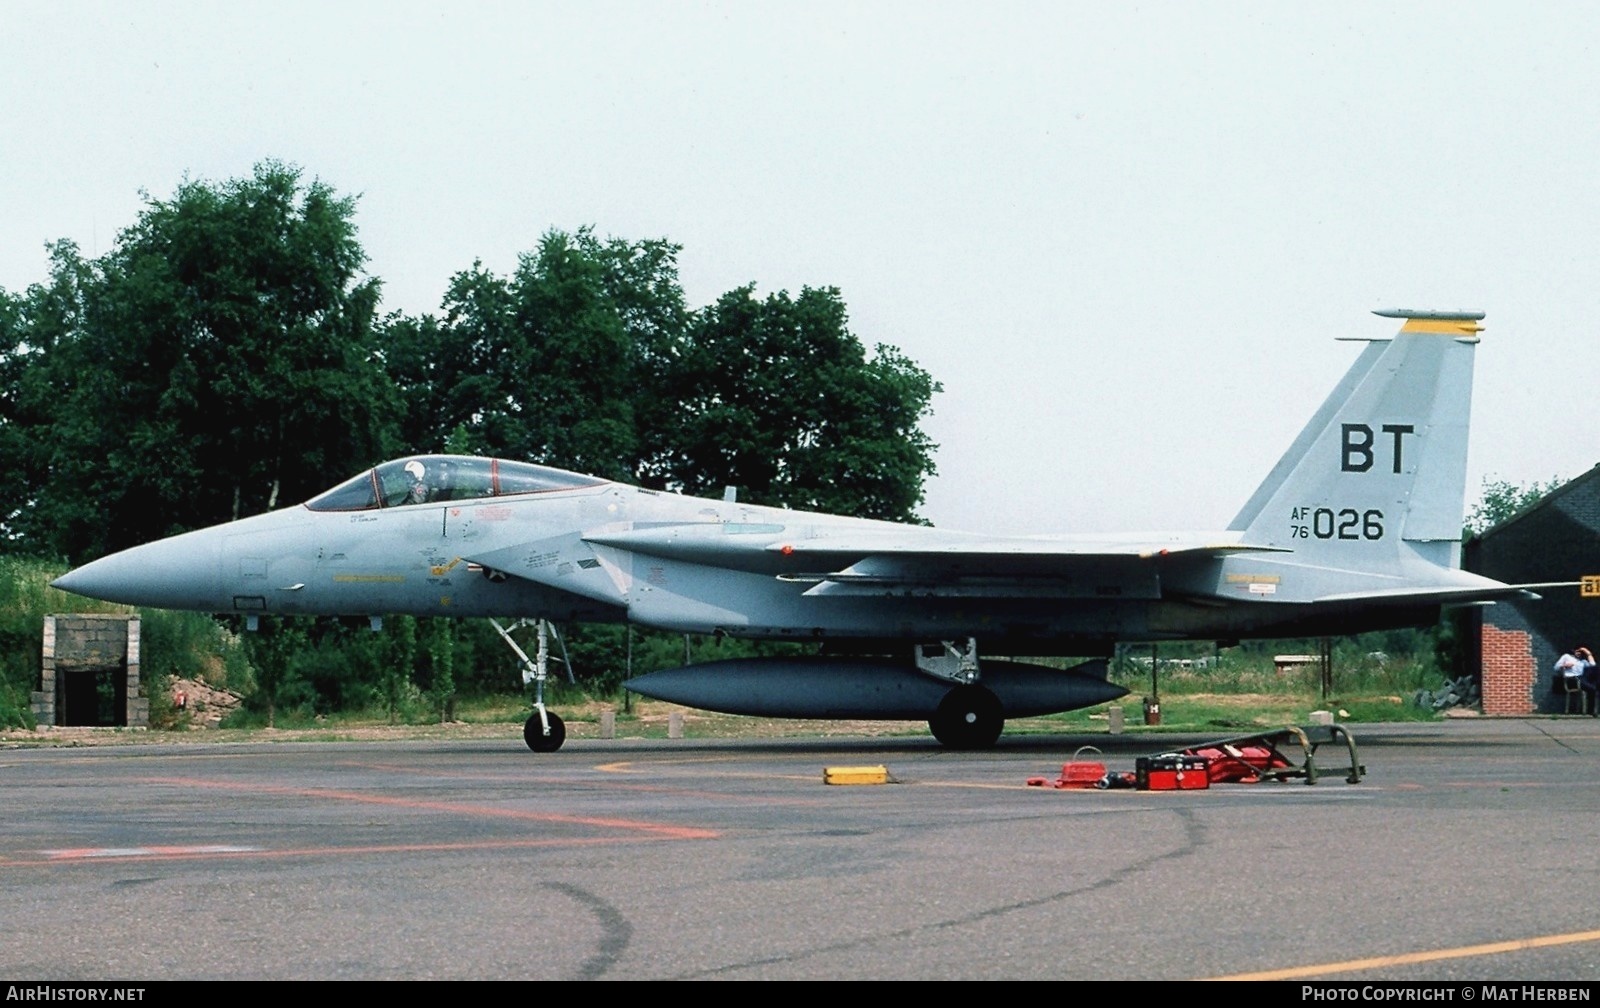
(92, 697)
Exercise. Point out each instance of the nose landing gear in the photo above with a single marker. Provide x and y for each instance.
(544, 732)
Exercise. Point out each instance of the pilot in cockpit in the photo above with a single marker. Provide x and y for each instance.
(417, 492)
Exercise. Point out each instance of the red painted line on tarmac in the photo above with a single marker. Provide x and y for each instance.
(662, 830)
(611, 784)
(717, 795)
(633, 830)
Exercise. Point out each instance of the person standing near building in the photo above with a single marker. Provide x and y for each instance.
(1588, 679)
(1578, 667)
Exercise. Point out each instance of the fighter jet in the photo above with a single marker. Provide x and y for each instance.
(1357, 528)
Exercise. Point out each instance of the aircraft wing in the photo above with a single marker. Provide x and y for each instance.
(926, 561)
(1004, 550)
(714, 542)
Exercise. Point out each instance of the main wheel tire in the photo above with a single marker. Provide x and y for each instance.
(969, 717)
(538, 741)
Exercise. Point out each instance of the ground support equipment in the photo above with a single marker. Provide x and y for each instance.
(1251, 758)
(1172, 772)
(1083, 772)
(1244, 759)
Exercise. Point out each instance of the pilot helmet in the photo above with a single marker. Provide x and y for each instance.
(414, 471)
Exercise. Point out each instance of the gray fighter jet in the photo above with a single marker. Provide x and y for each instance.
(1357, 528)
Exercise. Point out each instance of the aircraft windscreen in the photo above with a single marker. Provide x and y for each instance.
(427, 479)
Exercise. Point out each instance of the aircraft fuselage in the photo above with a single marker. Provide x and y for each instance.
(611, 552)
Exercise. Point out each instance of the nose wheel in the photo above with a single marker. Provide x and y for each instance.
(969, 717)
(538, 739)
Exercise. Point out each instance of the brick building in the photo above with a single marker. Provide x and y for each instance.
(1514, 644)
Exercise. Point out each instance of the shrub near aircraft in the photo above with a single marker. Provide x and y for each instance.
(1356, 528)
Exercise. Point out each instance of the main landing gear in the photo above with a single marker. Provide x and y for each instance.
(970, 715)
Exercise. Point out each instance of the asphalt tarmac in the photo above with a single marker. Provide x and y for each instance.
(1466, 852)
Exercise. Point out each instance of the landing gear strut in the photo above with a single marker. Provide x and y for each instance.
(970, 716)
(544, 731)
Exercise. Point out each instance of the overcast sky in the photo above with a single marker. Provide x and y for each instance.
(1123, 236)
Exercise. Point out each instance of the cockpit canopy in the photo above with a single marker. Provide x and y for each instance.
(426, 479)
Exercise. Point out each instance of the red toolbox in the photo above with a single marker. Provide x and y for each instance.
(1082, 772)
(1171, 773)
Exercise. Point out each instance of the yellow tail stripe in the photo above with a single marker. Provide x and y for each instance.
(1449, 327)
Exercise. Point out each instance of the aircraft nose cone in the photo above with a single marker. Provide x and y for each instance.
(178, 573)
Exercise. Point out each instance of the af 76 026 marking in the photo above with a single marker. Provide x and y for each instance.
(1327, 523)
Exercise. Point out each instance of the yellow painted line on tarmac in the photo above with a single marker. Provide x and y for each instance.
(627, 766)
(1412, 958)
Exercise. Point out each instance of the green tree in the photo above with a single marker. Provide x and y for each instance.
(586, 358)
(778, 398)
(272, 649)
(438, 641)
(1501, 499)
(218, 362)
(397, 657)
(32, 327)
(449, 370)
(551, 364)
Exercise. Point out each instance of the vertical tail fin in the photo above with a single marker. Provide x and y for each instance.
(1376, 480)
